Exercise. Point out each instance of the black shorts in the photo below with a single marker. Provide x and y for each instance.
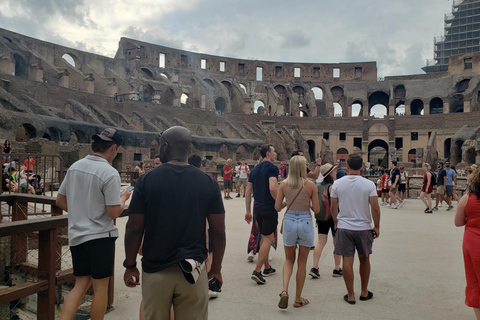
(402, 187)
(385, 190)
(324, 226)
(227, 184)
(94, 258)
(267, 221)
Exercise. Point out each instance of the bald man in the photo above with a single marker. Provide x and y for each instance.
(176, 199)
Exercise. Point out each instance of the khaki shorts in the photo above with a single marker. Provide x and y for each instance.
(394, 190)
(162, 288)
(441, 189)
(242, 182)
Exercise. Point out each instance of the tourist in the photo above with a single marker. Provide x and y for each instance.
(263, 183)
(395, 181)
(454, 191)
(300, 196)
(140, 168)
(427, 187)
(227, 179)
(402, 187)
(157, 162)
(468, 215)
(12, 164)
(175, 233)
(28, 163)
(23, 185)
(469, 170)
(8, 183)
(235, 181)
(329, 172)
(385, 188)
(351, 197)
(90, 193)
(243, 171)
(450, 181)
(314, 175)
(440, 193)
(7, 150)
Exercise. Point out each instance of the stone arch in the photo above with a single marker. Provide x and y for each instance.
(447, 145)
(53, 133)
(20, 66)
(338, 110)
(378, 143)
(223, 152)
(416, 107)
(318, 93)
(399, 94)
(148, 72)
(259, 106)
(303, 113)
(378, 111)
(228, 86)
(80, 136)
(209, 82)
(337, 93)
(167, 97)
(25, 132)
(436, 106)
(184, 99)
(71, 59)
(147, 93)
(280, 89)
(154, 148)
(241, 153)
(165, 75)
(400, 108)
(357, 109)
(456, 103)
(458, 152)
(311, 150)
(462, 85)
(469, 155)
(378, 98)
(243, 87)
(299, 90)
(220, 104)
(342, 155)
(412, 155)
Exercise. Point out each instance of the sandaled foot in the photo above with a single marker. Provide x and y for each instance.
(345, 297)
(302, 302)
(368, 297)
(283, 303)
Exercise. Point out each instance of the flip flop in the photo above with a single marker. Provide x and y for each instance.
(345, 297)
(283, 303)
(368, 297)
(301, 303)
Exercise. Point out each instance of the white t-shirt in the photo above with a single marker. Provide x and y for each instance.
(243, 171)
(319, 179)
(353, 193)
(236, 169)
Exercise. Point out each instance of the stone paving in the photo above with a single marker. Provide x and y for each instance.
(417, 273)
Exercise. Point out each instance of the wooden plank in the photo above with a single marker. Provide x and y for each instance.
(25, 198)
(19, 227)
(21, 290)
(46, 271)
(64, 276)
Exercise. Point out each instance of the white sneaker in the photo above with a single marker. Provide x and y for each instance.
(270, 258)
(212, 294)
(395, 206)
(250, 257)
(382, 204)
(401, 204)
(388, 206)
(440, 205)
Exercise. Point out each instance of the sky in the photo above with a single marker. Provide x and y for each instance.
(397, 34)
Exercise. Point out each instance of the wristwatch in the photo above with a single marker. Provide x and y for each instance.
(133, 266)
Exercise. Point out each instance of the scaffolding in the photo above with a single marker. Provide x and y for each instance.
(462, 34)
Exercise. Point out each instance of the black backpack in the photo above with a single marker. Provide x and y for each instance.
(434, 178)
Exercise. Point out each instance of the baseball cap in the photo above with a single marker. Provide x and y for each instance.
(109, 134)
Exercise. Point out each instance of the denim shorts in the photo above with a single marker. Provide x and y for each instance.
(298, 229)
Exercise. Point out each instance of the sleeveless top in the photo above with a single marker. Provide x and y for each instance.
(472, 212)
(302, 202)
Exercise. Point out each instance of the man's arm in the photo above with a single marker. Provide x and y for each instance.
(314, 174)
(273, 186)
(248, 202)
(133, 238)
(216, 224)
(61, 202)
(445, 180)
(115, 211)
(375, 215)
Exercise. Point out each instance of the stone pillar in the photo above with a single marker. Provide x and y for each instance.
(446, 107)
(365, 151)
(365, 111)
(467, 106)
(391, 110)
(64, 79)
(202, 102)
(408, 109)
(89, 83)
(349, 111)
(426, 109)
(6, 66)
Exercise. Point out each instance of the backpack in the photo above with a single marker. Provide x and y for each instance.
(433, 179)
(324, 199)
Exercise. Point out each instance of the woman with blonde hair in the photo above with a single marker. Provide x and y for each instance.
(427, 187)
(300, 196)
(468, 215)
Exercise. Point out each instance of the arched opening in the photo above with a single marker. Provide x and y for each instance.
(318, 93)
(69, 59)
(378, 153)
(241, 153)
(303, 113)
(25, 132)
(164, 75)
(337, 93)
(154, 148)
(357, 108)
(436, 106)
(53, 133)
(337, 110)
(47, 136)
(220, 104)
(342, 155)
(416, 107)
(399, 94)
(378, 111)
(208, 81)
(183, 100)
(223, 152)
(311, 150)
(470, 156)
(412, 155)
(378, 98)
(147, 93)
(458, 151)
(243, 87)
(147, 72)
(400, 108)
(447, 144)
(20, 66)
(299, 90)
(258, 104)
(462, 86)
(167, 97)
(81, 136)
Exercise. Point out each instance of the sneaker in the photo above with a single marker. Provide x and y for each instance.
(230, 198)
(426, 210)
(429, 211)
(387, 206)
(435, 209)
(238, 196)
(250, 257)
(268, 272)
(382, 204)
(270, 258)
(440, 205)
(226, 198)
(449, 208)
(314, 273)
(258, 278)
(212, 294)
(395, 206)
(337, 273)
(401, 204)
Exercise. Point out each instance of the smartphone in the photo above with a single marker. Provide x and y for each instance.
(130, 189)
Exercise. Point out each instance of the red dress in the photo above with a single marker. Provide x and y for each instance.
(425, 182)
(471, 251)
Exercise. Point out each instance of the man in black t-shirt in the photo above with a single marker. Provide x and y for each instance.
(263, 182)
(440, 193)
(395, 181)
(171, 214)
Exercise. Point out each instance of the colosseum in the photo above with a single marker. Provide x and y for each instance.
(53, 98)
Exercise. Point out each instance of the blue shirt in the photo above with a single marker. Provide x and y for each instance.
(450, 173)
(259, 177)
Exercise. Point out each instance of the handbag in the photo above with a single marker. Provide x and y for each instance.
(288, 207)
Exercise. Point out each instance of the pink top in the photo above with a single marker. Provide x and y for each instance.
(302, 202)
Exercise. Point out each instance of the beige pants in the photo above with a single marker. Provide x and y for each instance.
(161, 289)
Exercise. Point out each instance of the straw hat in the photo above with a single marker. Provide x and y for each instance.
(326, 169)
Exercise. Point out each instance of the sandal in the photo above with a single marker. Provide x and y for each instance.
(301, 303)
(283, 303)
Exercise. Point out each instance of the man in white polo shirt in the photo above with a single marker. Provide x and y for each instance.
(90, 193)
(351, 200)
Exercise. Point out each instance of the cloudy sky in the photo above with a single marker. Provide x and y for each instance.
(397, 34)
